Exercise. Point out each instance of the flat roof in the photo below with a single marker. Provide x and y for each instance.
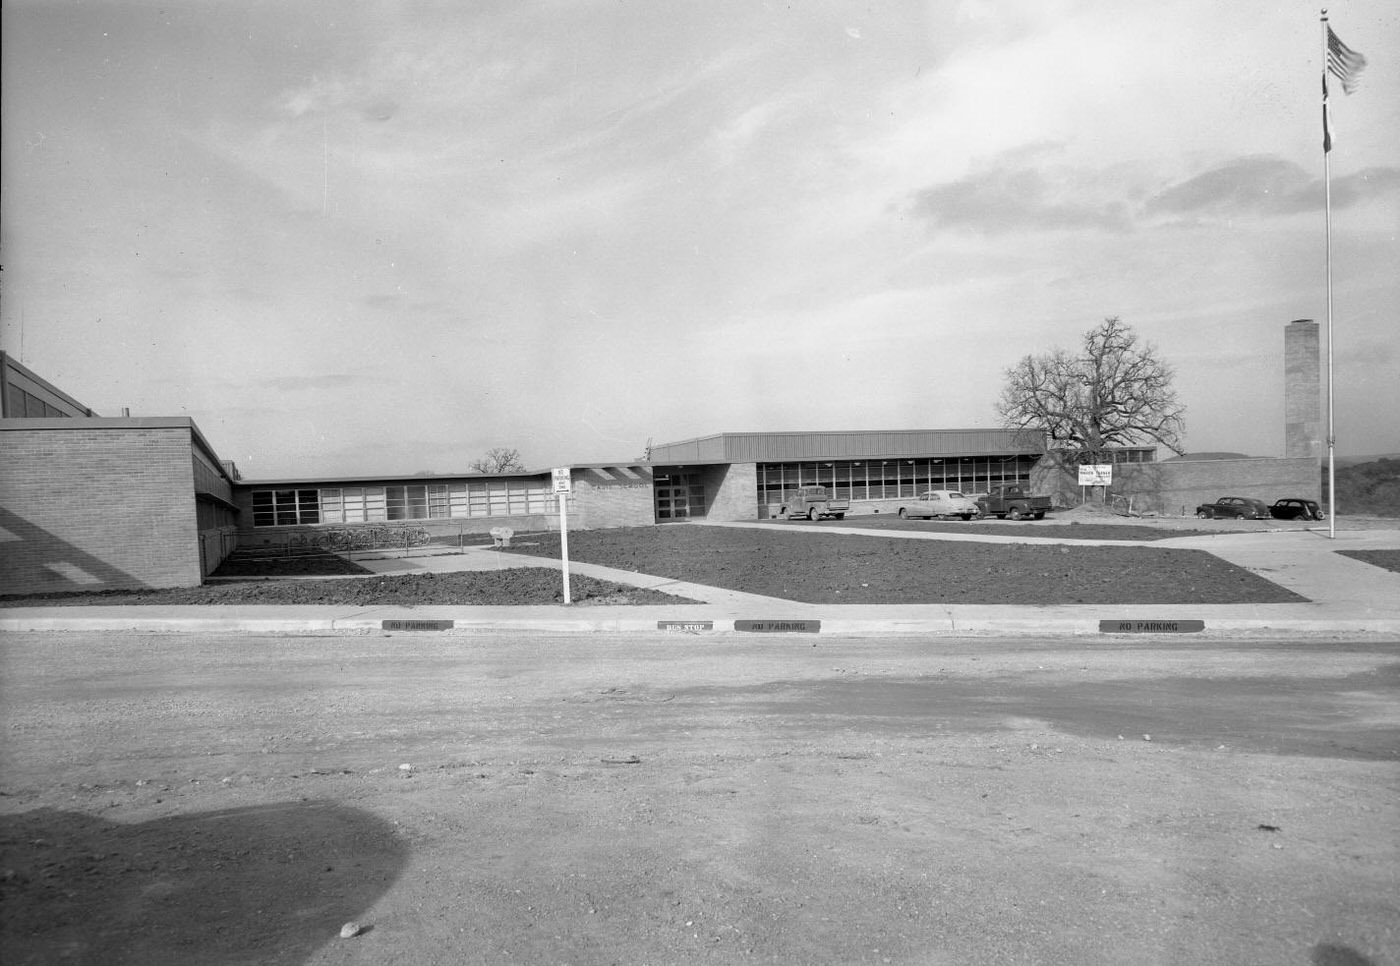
(411, 478)
(847, 444)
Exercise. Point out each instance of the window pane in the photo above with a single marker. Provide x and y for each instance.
(395, 503)
(374, 503)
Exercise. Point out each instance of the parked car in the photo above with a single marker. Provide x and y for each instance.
(1013, 500)
(1296, 508)
(812, 502)
(939, 503)
(1237, 507)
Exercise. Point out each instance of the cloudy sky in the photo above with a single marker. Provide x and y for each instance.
(360, 237)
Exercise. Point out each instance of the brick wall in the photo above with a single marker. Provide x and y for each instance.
(1177, 487)
(601, 501)
(731, 491)
(97, 504)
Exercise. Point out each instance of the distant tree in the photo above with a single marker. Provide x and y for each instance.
(1114, 392)
(499, 460)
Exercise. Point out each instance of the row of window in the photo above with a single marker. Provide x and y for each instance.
(894, 478)
(434, 501)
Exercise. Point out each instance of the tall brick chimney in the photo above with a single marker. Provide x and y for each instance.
(1302, 390)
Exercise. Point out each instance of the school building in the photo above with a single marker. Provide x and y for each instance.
(100, 502)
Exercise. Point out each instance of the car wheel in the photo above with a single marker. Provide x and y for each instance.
(903, 513)
(1014, 513)
(1204, 514)
(1040, 516)
(966, 517)
(813, 515)
(840, 516)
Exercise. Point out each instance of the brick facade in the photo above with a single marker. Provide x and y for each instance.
(1177, 487)
(96, 504)
(731, 492)
(611, 497)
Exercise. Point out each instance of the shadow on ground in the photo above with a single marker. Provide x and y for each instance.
(269, 884)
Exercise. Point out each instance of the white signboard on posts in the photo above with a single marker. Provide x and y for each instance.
(1099, 474)
(563, 480)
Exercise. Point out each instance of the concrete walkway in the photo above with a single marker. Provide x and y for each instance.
(1346, 597)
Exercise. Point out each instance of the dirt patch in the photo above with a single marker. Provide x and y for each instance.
(511, 587)
(286, 563)
(820, 568)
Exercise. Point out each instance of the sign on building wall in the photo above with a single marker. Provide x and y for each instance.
(1098, 474)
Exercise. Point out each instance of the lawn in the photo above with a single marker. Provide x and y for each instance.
(820, 568)
(1385, 559)
(801, 563)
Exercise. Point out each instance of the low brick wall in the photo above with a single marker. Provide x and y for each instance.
(1177, 487)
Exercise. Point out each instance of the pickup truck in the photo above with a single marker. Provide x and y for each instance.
(1013, 500)
(812, 502)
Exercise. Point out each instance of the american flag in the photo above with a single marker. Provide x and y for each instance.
(1344, 63)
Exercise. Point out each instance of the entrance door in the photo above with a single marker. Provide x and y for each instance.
(679, 496)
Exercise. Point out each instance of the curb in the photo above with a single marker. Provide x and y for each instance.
(806, 628)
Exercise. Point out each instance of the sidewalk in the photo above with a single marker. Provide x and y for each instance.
(1346, 597)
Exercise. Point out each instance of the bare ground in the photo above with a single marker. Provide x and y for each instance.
(229, 800)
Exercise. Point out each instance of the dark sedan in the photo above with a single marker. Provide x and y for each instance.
(1296, 508)
(1236, 507)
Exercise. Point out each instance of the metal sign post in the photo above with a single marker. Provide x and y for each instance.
(563, 486)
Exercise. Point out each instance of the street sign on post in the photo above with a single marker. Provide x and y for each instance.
(563, 486)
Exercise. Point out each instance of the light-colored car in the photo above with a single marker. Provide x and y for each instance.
(939, 503)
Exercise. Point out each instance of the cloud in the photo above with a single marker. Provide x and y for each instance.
(1365, 184)
(1250, 185)
(1264, 185)
(1019, 194)
(1021, 191)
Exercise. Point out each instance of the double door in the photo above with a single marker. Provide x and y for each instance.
(679, 497)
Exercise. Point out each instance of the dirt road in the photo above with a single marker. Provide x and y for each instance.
(677, 799)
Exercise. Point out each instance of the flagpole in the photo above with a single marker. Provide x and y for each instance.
(1327, 207)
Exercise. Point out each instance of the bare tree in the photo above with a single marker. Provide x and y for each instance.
(1115, 392)
(499, 460)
